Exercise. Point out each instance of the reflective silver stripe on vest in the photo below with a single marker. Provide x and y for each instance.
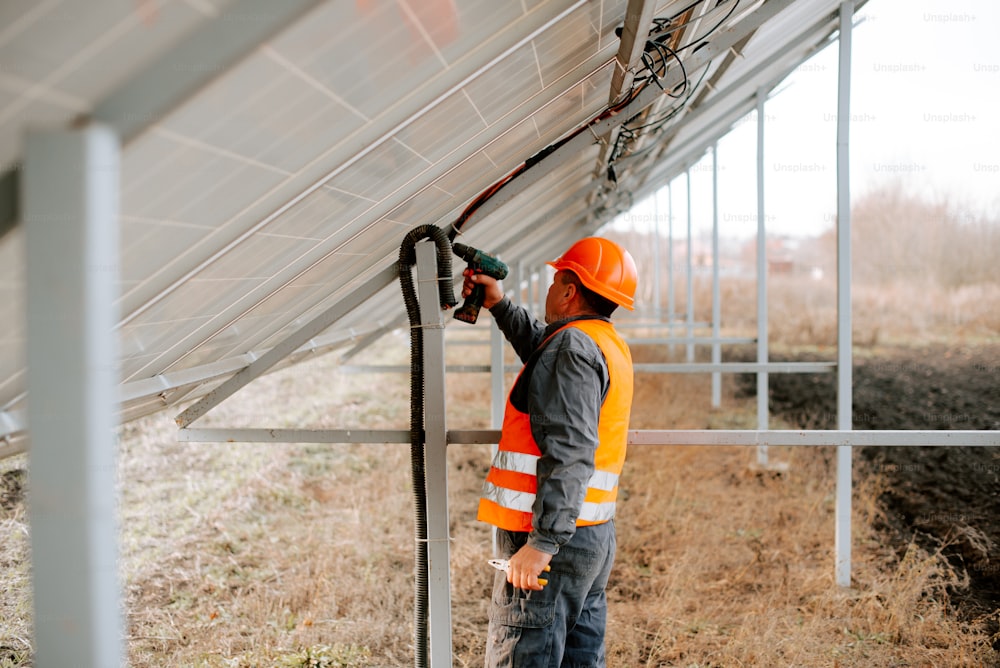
(597, 512)
(523, 501)
(603, 480)
(508, 498)
(516, 461)
(519, 462)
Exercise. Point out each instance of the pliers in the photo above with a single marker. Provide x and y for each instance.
(504, 565)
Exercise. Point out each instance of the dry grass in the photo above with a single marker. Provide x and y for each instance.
(300, 555)
(239, 555)
(15, 605)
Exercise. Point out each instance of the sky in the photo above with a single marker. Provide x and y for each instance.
(925, 114)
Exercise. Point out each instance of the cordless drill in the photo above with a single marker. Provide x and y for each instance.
(480, 263)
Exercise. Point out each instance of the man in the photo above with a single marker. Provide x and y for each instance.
(552, 485)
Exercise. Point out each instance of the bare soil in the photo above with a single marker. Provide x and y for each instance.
(939, 498)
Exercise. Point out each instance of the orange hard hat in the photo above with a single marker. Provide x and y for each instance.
(604, 267)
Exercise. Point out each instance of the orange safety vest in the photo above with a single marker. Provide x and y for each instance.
(510, 487)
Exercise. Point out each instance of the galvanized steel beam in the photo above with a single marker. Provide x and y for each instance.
(435, 458)
(70, 196)
(638, 437)
(264, 435)
(844, 335)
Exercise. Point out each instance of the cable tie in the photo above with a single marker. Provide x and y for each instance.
(458, 232)
(600, 140)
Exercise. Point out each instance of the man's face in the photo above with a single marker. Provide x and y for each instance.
(555, 302)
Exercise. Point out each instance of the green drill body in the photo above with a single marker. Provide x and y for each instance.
(480, 263)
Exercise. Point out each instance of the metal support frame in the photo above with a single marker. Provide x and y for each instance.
(498, 402)
(690, 270)
(531, 278)
(762, 334)
(844, 340)
(70, 193)
(264, 435)
(733, 97)
(716, 289)
(699, 340)
(736, 367)
(514, 280)
(435, 457)
(344, 306)
(719, 437)
(662, 367)
(635, 32)
(497, 389)
(671, 298)
(813, 437)
(657, 302)
(373, 336)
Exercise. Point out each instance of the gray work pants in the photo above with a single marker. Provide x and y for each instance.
(563, 625)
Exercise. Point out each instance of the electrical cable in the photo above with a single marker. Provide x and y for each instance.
(662, 33)
(665, 53)
(456, 226)
(446, 295)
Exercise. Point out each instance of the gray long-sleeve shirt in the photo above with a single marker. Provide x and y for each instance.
(561, 389)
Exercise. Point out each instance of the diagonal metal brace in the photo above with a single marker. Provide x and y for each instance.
(289, 345)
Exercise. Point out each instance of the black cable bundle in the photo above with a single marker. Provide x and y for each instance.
(446, 293)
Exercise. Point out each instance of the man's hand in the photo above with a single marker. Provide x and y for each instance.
(526, 566)
(493, 292)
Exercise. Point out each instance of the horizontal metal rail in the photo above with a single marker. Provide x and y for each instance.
(677, 367)
(402, 368)
(251, 435)
(739, 437)
(619, 324)
(700, 340)
(736, 367)
(705, 340)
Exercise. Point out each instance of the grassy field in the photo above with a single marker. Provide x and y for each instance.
(240, 555)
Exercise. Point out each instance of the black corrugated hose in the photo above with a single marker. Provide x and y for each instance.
(446, 295)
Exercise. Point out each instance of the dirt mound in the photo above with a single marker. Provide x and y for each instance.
(942, 498)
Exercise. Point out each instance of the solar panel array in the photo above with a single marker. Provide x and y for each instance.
(289, 178)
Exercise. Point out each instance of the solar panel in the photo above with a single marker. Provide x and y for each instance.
(259, 200)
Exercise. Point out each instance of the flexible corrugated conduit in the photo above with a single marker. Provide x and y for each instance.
(446, 294)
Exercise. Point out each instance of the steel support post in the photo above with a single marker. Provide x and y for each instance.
(435, 457)
(762, 391)
(530, 297)
(716, 290)
(671, 303)
(498, 399)
(690, 271)
(844, 339)
(516, 272)
(657, 305)
(70, 192)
